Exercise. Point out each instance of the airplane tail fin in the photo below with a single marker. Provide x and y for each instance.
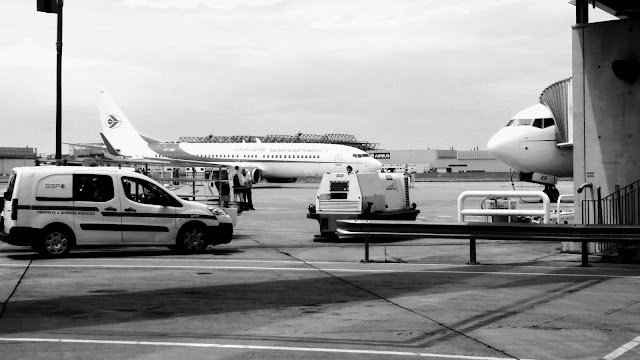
(119, 131)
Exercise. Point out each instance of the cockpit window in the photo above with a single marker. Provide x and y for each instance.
(365, 155)
(510, 122)
(523, 122)
(537, 123)
(548, 122)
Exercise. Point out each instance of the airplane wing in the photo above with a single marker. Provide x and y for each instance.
(193, 163)
(86, 146)
(112, 155)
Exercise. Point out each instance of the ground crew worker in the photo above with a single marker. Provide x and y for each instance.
(238, 184)
(248, 184)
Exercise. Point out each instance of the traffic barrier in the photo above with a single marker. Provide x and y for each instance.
(490, 231)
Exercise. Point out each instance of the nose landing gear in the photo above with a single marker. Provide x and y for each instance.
(552, 193)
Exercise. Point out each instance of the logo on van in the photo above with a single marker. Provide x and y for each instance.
(113, 121)
(54, 186)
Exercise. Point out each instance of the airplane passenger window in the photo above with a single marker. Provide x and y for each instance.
(548, 122)
(537, 123)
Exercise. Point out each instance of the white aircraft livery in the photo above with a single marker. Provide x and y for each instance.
(529, 144)
(272, 161)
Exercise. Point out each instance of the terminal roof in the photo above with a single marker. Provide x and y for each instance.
(623, 9)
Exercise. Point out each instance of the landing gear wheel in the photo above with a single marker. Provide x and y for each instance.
(192, 239)
(552, 193)
(55, 242)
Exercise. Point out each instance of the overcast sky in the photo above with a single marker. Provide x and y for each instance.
(405, 74)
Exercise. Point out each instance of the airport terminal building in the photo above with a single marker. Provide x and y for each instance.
(11, 157)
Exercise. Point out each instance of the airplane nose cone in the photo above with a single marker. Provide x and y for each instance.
(504, 147)
(374, 165)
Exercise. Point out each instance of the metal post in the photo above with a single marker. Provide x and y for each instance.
(599, 207)
(59, 86)
(193, 184)
(582, 11)
(618, 207)
(366, 247)
(472, 252)
(220, 202)
(585, 254)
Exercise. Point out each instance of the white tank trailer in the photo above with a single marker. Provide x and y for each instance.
(367, 196)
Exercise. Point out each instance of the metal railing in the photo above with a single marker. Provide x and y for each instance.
(544, 212)
(620, 208)
(489, 231)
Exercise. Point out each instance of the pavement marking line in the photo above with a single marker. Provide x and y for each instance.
(447, 265)
(160, 267)
(622, 349)
(388, 271)
(165, 259)
(256, 347)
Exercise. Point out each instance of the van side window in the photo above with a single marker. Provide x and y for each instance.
(89, 187)
(144, 192)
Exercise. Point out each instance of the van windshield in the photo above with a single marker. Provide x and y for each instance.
(12, 183)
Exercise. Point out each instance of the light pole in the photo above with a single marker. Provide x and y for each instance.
(55, 7)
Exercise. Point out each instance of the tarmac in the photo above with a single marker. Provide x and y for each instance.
(274, 293)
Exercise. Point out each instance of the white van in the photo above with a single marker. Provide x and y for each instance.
(55, 208)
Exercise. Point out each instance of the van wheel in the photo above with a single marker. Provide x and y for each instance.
(55, 242)
(192, 238)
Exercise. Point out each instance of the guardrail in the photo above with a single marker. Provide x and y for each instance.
(490, 231)
(558, 205)
(546, 207)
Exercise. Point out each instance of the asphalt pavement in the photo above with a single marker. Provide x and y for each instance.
(274, 293)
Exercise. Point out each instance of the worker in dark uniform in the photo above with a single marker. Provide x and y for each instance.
(248, 184)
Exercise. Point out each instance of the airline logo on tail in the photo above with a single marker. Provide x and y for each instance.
(113, 121)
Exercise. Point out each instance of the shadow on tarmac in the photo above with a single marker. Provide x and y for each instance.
(292, 299)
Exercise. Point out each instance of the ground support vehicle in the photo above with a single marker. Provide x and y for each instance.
(55, 208)
(368, 196)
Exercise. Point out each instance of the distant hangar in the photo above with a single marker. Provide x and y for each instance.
(440, 161)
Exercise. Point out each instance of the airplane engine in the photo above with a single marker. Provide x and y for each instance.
(256, 175)
(281, 180)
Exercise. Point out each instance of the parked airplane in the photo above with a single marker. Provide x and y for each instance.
(529, 144)
(272, 161)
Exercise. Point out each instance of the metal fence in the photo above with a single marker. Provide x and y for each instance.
(620, 208)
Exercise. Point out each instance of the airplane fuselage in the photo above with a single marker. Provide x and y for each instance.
(274, 160)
